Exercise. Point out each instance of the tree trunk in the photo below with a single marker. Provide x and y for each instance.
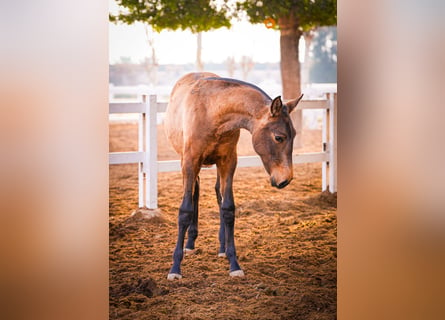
(290, 67)
(199, 65)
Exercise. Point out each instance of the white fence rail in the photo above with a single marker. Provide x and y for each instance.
(149, 166)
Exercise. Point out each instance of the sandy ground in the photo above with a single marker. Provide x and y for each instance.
(286, 244)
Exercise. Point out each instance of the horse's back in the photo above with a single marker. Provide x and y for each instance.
(174, 120)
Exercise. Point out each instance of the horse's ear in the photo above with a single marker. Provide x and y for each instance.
(276, 106)
(293, 103)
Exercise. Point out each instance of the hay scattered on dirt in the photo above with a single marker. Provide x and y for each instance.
(286, 245)
(325, 200)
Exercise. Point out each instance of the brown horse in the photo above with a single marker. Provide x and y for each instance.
(203, 122)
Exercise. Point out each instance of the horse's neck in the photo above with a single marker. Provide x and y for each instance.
(238, 116)
(241, 112)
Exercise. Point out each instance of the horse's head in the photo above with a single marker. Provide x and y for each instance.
(273, 139)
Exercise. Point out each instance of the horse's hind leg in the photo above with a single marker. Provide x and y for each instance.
(218, 189)
(193, 228)
(222, 235)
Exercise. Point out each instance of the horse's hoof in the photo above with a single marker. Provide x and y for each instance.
(173, 276)
(222, 254)
(190, 252)
(237, 273)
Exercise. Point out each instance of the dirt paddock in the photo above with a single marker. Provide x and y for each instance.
(286, 244)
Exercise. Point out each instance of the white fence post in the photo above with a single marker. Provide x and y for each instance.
(332, 98)
(151, 150)
(141, 148)
(324, 141)
(148, 168)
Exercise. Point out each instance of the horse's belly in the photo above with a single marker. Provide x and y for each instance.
(210, 160)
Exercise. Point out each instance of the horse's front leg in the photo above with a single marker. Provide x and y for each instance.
(185, 219)
(227, 213)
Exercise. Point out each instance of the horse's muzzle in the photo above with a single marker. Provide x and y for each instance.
(280, 185)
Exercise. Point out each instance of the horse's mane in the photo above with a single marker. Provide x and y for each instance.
(239, 82)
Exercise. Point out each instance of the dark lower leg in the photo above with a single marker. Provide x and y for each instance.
(226, 169)
(184, 220)
(228, 213)
(218, 191)
(193, 229)
(222, 234)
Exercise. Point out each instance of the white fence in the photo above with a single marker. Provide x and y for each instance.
(149, 166)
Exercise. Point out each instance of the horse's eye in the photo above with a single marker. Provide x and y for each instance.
(279, 139)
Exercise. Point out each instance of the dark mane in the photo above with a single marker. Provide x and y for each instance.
(239, 82)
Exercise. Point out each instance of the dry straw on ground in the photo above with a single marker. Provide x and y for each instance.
(286, 243)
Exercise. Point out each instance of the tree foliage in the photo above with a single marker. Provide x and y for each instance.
(308, 14)
(196, 15)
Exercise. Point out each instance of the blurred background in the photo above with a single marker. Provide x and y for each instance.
(54, 147)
